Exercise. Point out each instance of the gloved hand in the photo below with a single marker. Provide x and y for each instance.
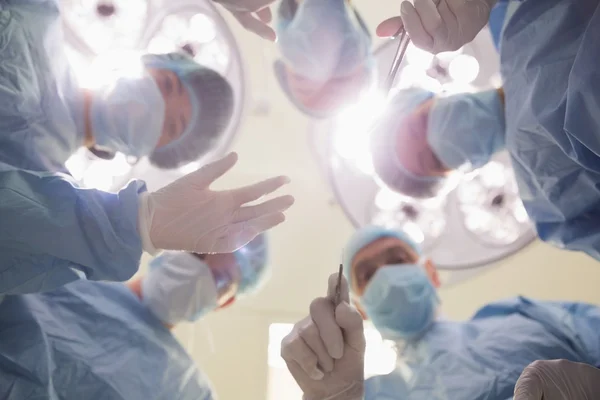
(439, 25)
(253, 15)
(558, 380)
(325, 351)
(187, 215)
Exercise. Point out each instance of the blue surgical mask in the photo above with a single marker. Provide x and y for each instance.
(400, 301)
(128, 116)
(467, 129)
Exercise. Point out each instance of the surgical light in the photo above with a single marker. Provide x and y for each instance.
(464, 68)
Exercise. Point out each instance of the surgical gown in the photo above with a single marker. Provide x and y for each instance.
(51, 231)
(92, 341)
(482, 359)
(550, 52)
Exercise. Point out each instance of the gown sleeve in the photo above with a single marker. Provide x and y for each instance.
(53, 232)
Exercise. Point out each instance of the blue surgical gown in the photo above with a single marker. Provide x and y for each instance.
(550, 56)
(93, 341)
(51, 231)
(482, 359)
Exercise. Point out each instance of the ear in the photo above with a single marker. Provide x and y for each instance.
(227, 303)
(433, 274)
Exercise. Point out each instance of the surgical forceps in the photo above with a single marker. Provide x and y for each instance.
(400, 52)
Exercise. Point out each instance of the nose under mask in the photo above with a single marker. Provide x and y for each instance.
(400, 301)
(128, 116)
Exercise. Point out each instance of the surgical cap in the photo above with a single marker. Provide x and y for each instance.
(211, 97)
(364, 237)
(383, 147)
(252, 260)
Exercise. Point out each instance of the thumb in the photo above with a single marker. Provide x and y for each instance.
(210, 172)
(349, 319)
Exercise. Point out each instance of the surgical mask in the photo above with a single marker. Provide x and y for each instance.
(400, 301)
(467, 129)
(179, 287)
(324, 39)
(128, 116)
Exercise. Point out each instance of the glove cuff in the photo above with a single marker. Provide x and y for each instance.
(144, 222)
(355, 391)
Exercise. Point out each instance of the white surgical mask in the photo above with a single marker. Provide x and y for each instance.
(128, 116)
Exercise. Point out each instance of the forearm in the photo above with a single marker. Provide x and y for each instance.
(47, 217)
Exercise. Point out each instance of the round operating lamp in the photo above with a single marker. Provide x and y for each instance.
(102, 35)
(479, 221)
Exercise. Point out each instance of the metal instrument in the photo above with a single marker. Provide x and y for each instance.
(400, 52)
(338, 287)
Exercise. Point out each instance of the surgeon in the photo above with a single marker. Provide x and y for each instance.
(550, 122)
(395, 287)
(326, 58)
(421, 139)
(53, 231)
(95, 340)
(186, 286)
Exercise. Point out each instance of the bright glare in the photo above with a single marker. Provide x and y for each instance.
(202, 28)
(161, 45)
(108, 67)
(448, 56)
(96, 177)
(414, 232)
(494, 175)
(464, 69)
(387, 199)
(174, 27)
(418, 58)
(352, 128)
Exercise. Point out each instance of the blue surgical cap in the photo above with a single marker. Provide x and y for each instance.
(211, 98)
(364, 237)
(253, 260)
(385, 159)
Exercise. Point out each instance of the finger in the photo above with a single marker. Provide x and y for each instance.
(310, 335)
(279, 204)
(351, 322)
(297, 371)
(332, 284)
(412, 23)
(238, 235)
(294, 349)
(265, 15)
(429, 16)
(390, 27)
(253, 24)
(530, 384)
(257, 190)
(322, 313)
(211, 172)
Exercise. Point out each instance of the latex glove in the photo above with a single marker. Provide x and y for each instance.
(558, 380)
(325, 351)
(253, 15)
(187, 215)
(439, 25)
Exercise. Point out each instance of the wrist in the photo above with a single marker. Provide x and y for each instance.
(143, 224)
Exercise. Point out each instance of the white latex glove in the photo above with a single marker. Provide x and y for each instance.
(187, 215)
(439, 25)
(558, 380)
(325, 351)
(253, 15)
